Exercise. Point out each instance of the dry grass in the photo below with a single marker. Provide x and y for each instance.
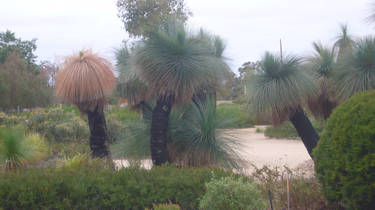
(86, 80)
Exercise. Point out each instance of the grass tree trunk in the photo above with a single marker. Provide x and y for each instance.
(159, 131)
(305, 130)
(98, 133)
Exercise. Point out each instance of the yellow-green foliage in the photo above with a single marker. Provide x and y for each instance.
(55, 124)
(16, 149)
(80, 161)
(232, 193)
(169, 206)
(38, 146)
(345, 155)
(116, 129)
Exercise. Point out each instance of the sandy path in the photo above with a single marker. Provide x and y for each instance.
(260, 150)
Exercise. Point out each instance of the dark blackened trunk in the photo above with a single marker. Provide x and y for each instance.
(305, 130)
(98, 133)
(159, 131)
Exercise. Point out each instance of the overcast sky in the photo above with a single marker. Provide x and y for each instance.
(249, 27)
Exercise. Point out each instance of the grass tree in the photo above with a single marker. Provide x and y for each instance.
(322, 65)
(278, 92)
(357, 70)
(217, 47)
(344, 41)
(86, 80)
(130, 86)
(174, 64)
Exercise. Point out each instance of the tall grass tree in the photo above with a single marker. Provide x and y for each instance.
(278, 92)
(174, 64)
(357, 70)
(344, 42)
(130, 86)
(217, 47)
(322, 65)
(86, 80)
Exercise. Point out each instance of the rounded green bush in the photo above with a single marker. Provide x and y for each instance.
(345, 155)
(231, 193)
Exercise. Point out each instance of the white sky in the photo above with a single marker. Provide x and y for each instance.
(249, 27)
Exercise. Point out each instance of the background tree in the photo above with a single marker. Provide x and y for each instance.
(129, 84)
(20, 88)
(142, 16)
(25, 49)
(322, 65)
(174, 64)
(86, 80)
(279, 91)
(222, 71)
(357, 70)
(344, 42)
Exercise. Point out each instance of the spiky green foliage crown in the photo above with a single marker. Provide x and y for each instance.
(174, 62)
(279, 87)
(356, 72)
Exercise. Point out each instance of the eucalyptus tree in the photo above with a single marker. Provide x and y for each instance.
(344, 41)
(322, 65)
(357, 70)
(278, 92)
(174, 64)
(142, 17)
(85, 81)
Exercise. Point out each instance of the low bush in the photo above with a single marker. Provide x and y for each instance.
(99, 188)
(166, 207)
(231, 193)
(123, 114)
(194, 138)
(304, 189)
(59, 124)
(345, 155)
(16, 149)
(240, 118)
(287, 130)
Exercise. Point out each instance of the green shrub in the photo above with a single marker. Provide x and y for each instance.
(345, 155)
(287, 130)
(99, 188)
(240, 118)
(166, 207)
(231, 193)
(194, 138)
(16, 149)
(116, 129)
(59, 124)
(304, 189)
(123, 114)
(38, 146)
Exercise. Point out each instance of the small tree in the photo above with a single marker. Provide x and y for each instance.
(141, 17)
(344, 42)
(279, 90)
(357, 71)
(174, 64)
(86, 80)
(322, 65)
